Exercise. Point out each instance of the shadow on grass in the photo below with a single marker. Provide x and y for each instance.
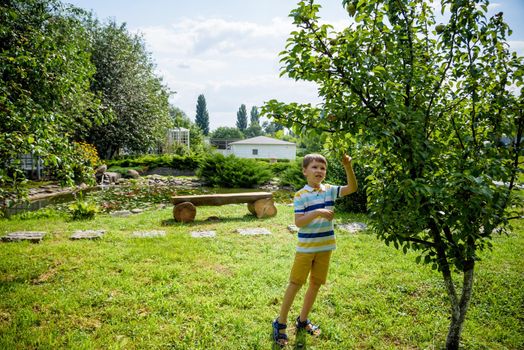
(300, 340)
(245, 218)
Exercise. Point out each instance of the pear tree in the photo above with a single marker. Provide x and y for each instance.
(434, 108)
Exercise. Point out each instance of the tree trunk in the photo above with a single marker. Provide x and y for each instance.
(458, 313)
(458, 307)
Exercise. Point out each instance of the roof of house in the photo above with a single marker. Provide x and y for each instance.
(261, 140)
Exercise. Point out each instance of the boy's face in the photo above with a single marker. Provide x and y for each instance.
(315, 173)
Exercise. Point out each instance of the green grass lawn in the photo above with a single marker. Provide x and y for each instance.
(178, 292)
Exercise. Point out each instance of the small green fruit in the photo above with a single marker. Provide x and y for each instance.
(351, 8)
(440, 28)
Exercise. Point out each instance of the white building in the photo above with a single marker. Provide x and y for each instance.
(263, 147)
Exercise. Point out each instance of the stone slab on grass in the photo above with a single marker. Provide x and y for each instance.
(253, 231)
(31, 236)
(203, 234)
(353, 227)
(87, 234)
(149, 234)
(120, 213)
(292, 228)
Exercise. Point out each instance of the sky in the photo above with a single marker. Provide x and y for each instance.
(227, 50)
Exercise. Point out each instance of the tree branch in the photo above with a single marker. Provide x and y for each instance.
(448, 65)
(407, 101)
(324, 49)
(444, 265)
(420, 241)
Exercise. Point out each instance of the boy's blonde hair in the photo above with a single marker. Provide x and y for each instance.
(311, 158)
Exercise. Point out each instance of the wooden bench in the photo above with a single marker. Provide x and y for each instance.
(260, 204)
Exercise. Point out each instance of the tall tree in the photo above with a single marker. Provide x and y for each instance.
(202, 116)
(254, 128)
(242, 118)
(131, 93)
(429, 104)
(271, 127)
(227, 133)
(254, 116)
(45, 100)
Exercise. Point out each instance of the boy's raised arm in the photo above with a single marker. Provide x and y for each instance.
(352, 185)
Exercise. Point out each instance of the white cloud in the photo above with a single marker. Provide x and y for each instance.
(230, 62)
(517, 46)
(493, 6)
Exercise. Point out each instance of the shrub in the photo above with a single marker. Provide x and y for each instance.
(233, 172)
(151, 161)
(185, 162)
(88, 153)
(83, 210)
(293, 176)
(279, 167)
(124, 171)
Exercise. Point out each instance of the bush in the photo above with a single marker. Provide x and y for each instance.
(88, 153)
(293, 176)
(151, 161)
(124, 171)
(83, 210)
(233, 172)
(279, 167)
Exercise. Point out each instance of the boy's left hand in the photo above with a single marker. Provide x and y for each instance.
(346, 160)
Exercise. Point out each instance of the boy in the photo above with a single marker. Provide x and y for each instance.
(314, 206)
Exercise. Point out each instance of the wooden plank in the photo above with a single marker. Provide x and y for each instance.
(222, 198)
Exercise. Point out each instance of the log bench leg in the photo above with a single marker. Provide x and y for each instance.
(262, 208)
(184, 212)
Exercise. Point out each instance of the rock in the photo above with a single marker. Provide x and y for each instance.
(213, 218)
(137, 211)
(133, 174)
(253, 231)
(101, 169)
(203, 234)
(112, 177)
(292, 228)
(31, 236)
(353, 227)
(87, 234)
(149, 234)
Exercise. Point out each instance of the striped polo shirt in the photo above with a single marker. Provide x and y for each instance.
(319, 234)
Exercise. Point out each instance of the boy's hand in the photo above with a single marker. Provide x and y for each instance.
(346, 160)
(326, 214)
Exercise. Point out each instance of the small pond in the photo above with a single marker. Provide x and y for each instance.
(129, 196)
